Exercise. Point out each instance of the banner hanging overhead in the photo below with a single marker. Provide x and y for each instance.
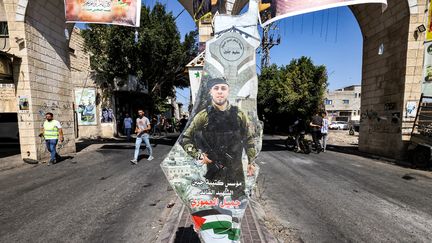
(272, 10)
(207, 8)
(118, 12)
(429, 24)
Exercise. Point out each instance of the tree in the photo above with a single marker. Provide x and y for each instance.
(158, 58)
(287, 92)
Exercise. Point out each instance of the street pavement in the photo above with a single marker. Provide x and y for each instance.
(335, 197)
(97, 196)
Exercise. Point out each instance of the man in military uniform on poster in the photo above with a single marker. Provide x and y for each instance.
(217, 137)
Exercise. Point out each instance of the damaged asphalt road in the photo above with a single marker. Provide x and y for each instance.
(335, 197)
(98, 196)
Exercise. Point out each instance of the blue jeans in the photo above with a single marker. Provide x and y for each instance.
(138, 142)
(128, 133)
(51, 146)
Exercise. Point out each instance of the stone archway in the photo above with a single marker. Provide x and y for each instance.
(388, 80)
(37, 39)
(391, 79)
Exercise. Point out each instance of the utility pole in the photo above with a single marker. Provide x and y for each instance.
(268, 41)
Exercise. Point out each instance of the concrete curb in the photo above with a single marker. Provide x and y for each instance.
(11, 162)
(167, 233)
(15, 161)
(265, 235)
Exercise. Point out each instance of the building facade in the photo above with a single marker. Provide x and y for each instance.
(344, 104)
(38, 56)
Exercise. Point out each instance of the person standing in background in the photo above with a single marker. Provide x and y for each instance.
(127, 123)
(316, 124)
(324, 130)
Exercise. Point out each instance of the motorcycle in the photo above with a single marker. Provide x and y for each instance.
(304, 146)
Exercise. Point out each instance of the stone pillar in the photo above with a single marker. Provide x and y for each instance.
(41, 71)
(390, 78)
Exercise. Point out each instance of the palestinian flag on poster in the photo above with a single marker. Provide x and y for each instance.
(215, 226)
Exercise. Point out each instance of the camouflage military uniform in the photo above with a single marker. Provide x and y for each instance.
(222, 135)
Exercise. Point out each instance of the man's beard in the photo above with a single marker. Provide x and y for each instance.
(221, 102)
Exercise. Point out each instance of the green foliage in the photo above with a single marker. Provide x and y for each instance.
(294, 90)
(158, 58)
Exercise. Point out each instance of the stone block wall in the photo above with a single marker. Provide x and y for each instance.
(389, 79)
(41, 70)
(79, 59)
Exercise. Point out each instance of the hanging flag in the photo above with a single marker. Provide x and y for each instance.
(205, 9)
(272, 10)
(118, 12)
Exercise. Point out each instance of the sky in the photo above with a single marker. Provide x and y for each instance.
(330, 37)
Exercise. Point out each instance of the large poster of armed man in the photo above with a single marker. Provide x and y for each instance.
(212, 166)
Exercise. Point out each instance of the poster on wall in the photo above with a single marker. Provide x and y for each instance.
(85, 100)
(272, 10)
(427, 68)
(107, 115)
(411, 108)
(118, 12)
(23, 104)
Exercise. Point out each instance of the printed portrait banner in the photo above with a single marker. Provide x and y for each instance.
(118, 12)
(427, 68)
(212, 166)
(272, 10)
(429, 24)
(85, 100)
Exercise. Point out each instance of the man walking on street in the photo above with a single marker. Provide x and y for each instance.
(315, 125)
(127, 123)
(142, 130)
(52, 132)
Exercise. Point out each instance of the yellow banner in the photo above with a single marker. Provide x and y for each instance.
(429, 24)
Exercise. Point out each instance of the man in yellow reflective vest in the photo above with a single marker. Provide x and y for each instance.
(52, 131)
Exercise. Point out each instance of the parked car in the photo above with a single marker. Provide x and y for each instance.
(338, 125)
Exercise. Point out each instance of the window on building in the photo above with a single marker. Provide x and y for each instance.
(71, 51)
(345, 102)
(355, 95)
(328, 102)
(359, 95)
(345, 113)
(4, 32)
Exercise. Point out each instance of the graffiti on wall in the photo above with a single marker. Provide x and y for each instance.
(61, 112)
